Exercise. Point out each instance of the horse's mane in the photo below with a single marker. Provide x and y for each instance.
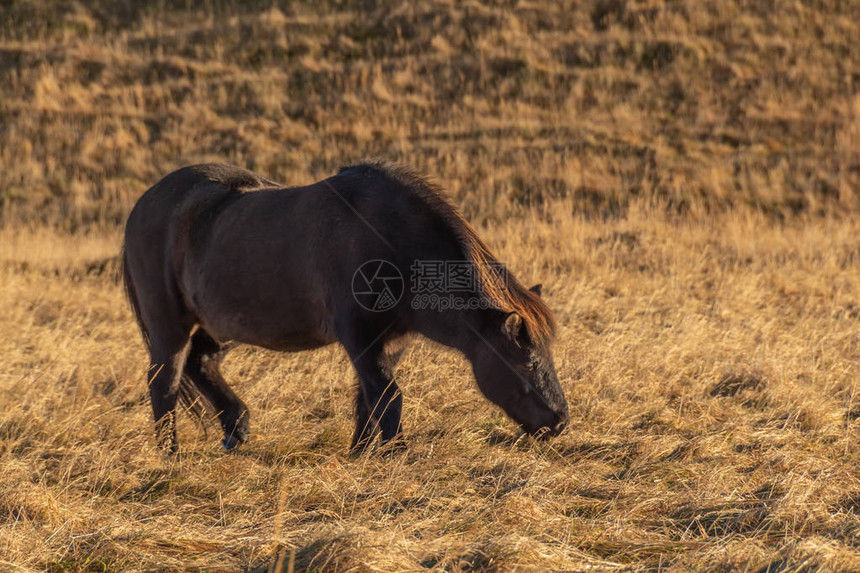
(232, 176)
(495, 283)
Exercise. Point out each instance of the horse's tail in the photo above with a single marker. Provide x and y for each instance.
(131, 295)
(189, 395)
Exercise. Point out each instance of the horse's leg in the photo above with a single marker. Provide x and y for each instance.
(363, 434)
(166, 326)
(378, 406)
(379, 402)
(201, 367)
(167, 351)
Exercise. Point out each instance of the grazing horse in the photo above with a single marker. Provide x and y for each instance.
(215, 253)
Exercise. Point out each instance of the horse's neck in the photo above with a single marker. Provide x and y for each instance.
(456, 329)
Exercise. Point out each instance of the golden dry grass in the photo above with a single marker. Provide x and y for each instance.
(681, 176)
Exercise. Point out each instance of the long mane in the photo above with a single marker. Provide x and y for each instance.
(495, 283)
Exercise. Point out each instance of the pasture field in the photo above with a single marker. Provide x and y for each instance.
(681, 176)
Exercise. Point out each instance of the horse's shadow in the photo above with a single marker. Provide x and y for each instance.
(320, 554)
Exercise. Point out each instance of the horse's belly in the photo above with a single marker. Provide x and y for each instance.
(288, 338)
(283, 325)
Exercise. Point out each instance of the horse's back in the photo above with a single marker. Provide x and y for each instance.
(227, 176)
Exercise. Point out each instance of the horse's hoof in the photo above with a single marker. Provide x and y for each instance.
(236, 431)
(393, 447)
(230, 443)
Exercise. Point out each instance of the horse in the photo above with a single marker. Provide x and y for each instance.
(215, 255)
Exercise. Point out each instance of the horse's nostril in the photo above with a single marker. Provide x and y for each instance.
(559, 427)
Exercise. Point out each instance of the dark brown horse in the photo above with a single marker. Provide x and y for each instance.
(215, 253)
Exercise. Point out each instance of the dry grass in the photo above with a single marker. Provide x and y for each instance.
(681, 176)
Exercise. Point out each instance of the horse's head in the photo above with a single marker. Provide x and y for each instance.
(519, 376)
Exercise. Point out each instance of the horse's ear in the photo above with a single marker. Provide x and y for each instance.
(513, 326)
(537, 289)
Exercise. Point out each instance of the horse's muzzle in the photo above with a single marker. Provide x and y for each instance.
(546, 432)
